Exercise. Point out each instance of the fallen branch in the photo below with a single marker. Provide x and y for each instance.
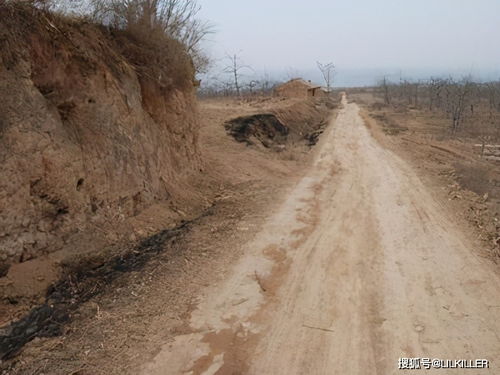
(318, 328)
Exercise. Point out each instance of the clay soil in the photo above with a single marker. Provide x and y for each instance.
(126, 320)
(362, 264)
(370, 247)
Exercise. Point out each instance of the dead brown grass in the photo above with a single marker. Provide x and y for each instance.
(451, 164)
(158, 59)
(123, 325)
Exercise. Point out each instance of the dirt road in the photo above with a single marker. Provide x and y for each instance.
(360, 266)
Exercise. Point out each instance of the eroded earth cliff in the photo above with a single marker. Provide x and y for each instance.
(98, 136)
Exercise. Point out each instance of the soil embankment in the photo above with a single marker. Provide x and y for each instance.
(298, 123)
(93, 150)
(98, 151)
(104, 166)
(123, 304)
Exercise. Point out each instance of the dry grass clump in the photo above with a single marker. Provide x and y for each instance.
(78, 46)
(157, 58)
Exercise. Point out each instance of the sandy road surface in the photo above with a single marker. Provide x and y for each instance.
(360, 266)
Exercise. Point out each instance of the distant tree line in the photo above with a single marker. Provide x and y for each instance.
(217, 87)
(234, 81)
(463, 102)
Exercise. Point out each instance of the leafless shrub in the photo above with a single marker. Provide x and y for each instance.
(386, 92)
(455, 99)
(435, 88)
(234, 68)
(176, 19)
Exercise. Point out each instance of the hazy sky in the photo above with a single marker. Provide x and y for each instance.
(367, 37)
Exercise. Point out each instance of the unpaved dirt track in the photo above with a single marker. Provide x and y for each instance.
(360, 266)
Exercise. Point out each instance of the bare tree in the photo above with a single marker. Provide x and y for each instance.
(471, 108)
(170, 16)
(327, 70)
(457, 100)
(234, 67)
(176, 19)
(435, 88)
(385, 89)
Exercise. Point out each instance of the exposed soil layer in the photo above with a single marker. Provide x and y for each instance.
(108, 329)
(95, 154)
(265, 129)
(299, 123)
(102, 150)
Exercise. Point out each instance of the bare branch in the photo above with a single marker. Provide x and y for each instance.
(327, 70)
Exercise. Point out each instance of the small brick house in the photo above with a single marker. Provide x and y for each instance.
(299, 88)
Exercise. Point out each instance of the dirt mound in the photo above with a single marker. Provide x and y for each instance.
(98, 144)
(263, 129)
(298, 122)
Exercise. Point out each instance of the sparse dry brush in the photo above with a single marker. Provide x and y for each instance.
(153, 22)
(255, 88)
(175, 19)
(453, 130)
(471, 109)
(159, 59)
